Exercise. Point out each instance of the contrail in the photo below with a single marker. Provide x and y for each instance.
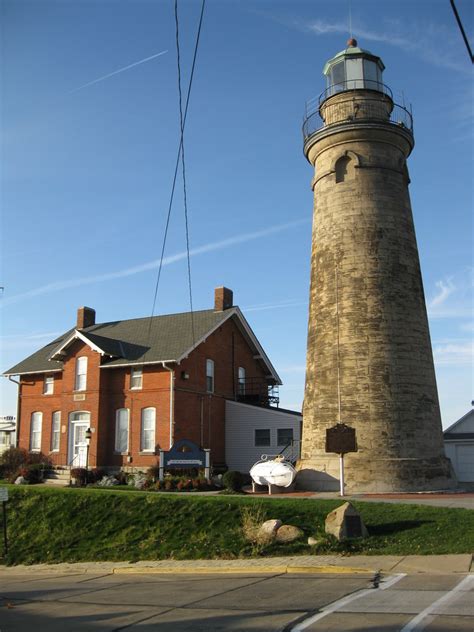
(151, 265)
(116, 72)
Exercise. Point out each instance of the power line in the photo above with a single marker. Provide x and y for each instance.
(178, 59)
(461, 28)
(177, 164)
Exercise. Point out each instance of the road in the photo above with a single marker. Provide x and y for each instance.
(51, 602)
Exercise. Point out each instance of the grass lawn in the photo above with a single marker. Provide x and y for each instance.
(77, 525)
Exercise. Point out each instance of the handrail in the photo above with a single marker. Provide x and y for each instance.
(353, 110)
(353, 84)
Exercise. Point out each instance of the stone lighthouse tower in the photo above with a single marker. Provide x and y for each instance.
(369, 360)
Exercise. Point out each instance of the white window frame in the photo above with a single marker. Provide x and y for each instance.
(35, 434)
(80, 382)
(262, 445)
(147, 445)
(118, 445)
(136, 374)
(48, 385)
(241, 380)
(209, 375)
(55, 431)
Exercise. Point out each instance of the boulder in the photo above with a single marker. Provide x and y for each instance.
(345, 522)
(314, 541)
(268, 529)
(21, 480)
(288, 533)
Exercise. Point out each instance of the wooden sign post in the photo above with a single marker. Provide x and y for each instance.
(341, 439)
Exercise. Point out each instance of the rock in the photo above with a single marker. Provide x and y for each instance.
(21, 480)
(268, 529)
(345, 522)
(314, 541)
(288, 533)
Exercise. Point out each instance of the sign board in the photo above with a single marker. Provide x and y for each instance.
(341, 439)
(184, 454)
(3, 494)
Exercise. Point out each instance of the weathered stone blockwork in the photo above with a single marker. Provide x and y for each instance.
(363, 232)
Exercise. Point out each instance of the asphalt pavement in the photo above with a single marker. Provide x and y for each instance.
(330, 593)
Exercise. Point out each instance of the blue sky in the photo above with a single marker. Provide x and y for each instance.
(87, 169)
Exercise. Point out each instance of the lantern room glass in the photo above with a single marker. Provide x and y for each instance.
(354, 73)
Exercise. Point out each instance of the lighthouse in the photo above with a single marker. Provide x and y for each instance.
(369, 360)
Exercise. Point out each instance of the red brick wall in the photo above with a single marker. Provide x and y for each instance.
(198, 415)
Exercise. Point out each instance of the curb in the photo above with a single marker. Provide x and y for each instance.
(221, 570)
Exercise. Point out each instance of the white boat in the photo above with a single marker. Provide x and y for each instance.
(275, 471)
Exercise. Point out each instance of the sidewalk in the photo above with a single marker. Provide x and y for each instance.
(322, 564)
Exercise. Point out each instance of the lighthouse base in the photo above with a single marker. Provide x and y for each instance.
(366, 474)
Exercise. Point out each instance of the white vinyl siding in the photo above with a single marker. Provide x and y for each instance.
(55, 431)
(121, 430)
(241, 421)
(48, 386)
(136, 378)
(81, 374)
(147, 442)
(210, 376)
(35, 434)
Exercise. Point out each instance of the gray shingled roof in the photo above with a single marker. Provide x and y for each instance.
(136, 341)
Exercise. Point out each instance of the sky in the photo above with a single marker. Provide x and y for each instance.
(90, 128)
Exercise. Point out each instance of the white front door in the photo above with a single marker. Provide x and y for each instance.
(78, 444)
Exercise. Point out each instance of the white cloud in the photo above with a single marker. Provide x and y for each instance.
(445, 288)
(416, 37)
(153, 265)
(454, 353)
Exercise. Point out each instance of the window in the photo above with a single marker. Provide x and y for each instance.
(48, 386)
(55, 431)
(262, 437)
(241, 380)
(147, 443)
(210, 376)
(4, 439)
(35, 438)
(121, 430)
(284, 436)
(136, 377)
(81, 374)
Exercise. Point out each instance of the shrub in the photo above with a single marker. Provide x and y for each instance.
(124, 478)
(153, 472)
(81, 475)
(33, 473)
(139, 481)
(14, 459)
(95, 475)
(233, 480)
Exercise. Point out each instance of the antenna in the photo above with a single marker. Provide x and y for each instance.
(350, 18)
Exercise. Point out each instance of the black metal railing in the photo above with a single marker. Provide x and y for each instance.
(291, 451)
(354, 84)
(256, 391)
(356, 110)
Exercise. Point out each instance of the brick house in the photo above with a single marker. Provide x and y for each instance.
(139, 385)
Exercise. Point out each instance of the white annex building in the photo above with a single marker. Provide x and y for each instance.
(459, 446)
(251, 431)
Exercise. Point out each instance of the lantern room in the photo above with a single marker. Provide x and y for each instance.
(353, 69)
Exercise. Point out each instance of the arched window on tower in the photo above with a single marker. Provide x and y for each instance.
(344, 168)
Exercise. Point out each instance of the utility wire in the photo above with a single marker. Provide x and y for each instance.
(183, 164)
(176, 166)
(461, 28)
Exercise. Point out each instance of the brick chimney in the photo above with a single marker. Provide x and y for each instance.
(85, 317)
(223, 299)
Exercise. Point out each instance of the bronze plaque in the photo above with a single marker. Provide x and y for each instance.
(341, 439)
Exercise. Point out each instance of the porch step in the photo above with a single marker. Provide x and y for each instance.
(57, 477)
